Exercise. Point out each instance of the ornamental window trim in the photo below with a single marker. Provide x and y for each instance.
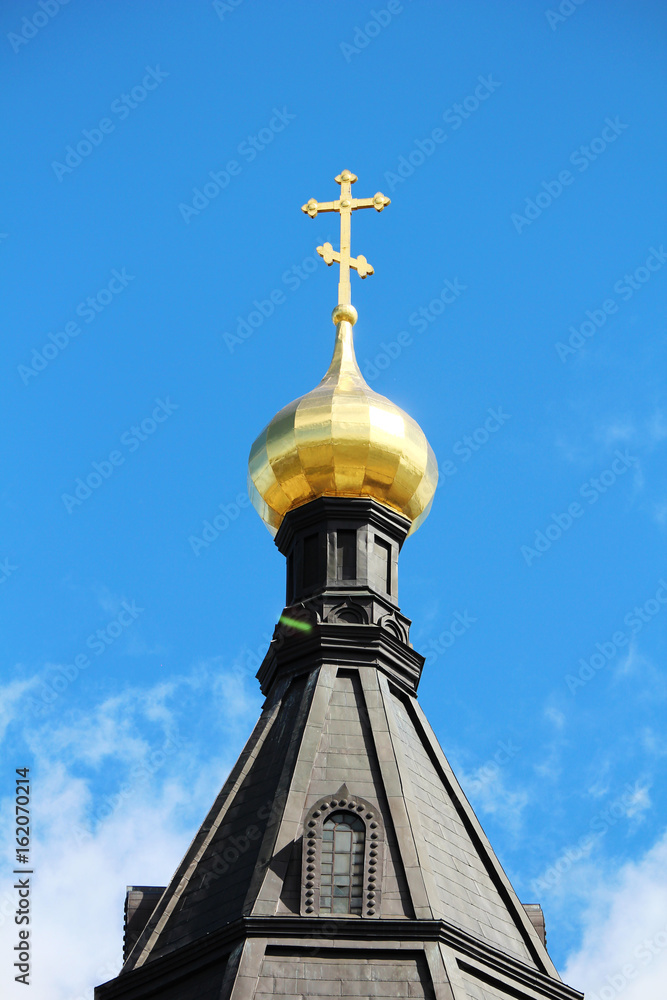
(373, 854)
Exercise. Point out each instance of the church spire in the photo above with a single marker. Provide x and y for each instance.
(341, 857)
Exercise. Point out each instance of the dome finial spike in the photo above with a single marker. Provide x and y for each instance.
(345, 205)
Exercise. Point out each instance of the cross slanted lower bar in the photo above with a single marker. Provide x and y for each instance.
(345, 205)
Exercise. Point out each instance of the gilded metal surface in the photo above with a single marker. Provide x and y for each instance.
(346, 204)
(342, 439)
(344, 312)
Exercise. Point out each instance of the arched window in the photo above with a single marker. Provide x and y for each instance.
(343, 848)
(342, 865)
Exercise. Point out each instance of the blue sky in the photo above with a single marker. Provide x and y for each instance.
(523, 150)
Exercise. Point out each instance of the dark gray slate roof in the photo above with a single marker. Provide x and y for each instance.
(315, 734)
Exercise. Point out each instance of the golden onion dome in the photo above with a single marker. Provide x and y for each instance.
(342, 439)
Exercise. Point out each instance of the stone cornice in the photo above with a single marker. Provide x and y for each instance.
(343, 645)
(327, 932)
(353, 509)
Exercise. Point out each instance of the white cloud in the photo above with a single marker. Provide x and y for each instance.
(11, 696)
(555, 716)
(107, 600)
(617, 432)
(654, 744)
(649, 681)
(657, 428)
(636, 435)
(645, 434)
(603, 776)
(550, 768)
(638, 801)
(573, 875)
(80, 878)
(117, 795)
(660, 513)
(488, 793)
(624, 947)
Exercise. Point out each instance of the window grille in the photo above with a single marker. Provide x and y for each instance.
(343, 847)
(342, 863)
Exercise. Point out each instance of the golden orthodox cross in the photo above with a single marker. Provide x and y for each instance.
(346, 204)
